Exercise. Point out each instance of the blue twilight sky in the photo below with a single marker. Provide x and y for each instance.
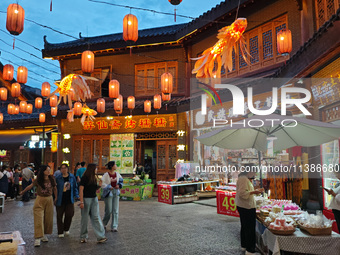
(74, 16)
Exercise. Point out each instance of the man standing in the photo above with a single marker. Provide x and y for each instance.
(27, 176)
(81, 171)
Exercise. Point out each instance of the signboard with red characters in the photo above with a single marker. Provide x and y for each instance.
(226, 203)
(165, 194)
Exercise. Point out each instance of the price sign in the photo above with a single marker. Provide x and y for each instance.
(165, 194)
(226, 203)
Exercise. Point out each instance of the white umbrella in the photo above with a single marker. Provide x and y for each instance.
(288, 131)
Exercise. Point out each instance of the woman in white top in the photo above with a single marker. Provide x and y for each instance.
(246, 207)
(335, 202)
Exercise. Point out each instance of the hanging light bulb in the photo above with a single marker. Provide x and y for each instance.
(114, 89)
(118, 103)
(42, 117)
(15, 19)
(10, 109)
(16, 109)
(22, 74)
(15, 89)
(54, 101)
(147, 106)
(130, 28)
(166, 83)
(3, 94)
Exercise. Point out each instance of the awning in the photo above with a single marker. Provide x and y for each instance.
(14, 138)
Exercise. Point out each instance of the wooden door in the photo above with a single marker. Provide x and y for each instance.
(166, 159)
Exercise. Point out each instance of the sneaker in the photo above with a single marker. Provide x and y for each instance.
(103, 240)
(44, 239)
(66, 233)
(83, 240)
(252, 253)
(61, 235)
(37, 242)
(114, 230)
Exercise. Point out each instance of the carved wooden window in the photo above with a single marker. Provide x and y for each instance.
(324, 10)
(147, 77)
(161, 157)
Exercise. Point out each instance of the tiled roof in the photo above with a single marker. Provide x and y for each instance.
(145, 36)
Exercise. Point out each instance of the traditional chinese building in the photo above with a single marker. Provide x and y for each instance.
(138, 68)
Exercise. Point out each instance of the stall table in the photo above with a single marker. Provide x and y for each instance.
(298, 243)
(168, 193)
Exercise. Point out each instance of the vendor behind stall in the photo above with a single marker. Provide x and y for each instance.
(246, 207)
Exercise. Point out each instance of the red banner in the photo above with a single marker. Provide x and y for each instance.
(226, 203)
(165, 194)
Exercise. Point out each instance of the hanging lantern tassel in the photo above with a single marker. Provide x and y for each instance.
(175, 15)
(51, 6)
(13, 43)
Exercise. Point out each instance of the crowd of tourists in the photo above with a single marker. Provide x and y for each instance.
(63, 189)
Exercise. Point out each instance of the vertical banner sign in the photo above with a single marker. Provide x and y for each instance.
(54, 147)
(226, 203)
(121, 151)
(165, 194)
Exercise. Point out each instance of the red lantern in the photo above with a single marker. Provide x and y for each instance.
(15, 19)
(114, 89)
(22, 106)
(3, 94)
(284, 41)
(16, 109)
(131, 102)
(157, 102)
(130, 28)
(87, 61)
(175, 2)
(54, 101)
(166, 83)
(22, 74)
(10, 109)
(45, 89)
(29, 108)
(1, 118)
(15, 90)
(8, 72)
(42, 117)
(77, 108)
(38, 102)
(147, 106)
(166, 97)
(101, 105)
(118, 103)
(54, 111)
(119, 112)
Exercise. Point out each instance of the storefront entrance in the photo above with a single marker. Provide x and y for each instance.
(166, 159)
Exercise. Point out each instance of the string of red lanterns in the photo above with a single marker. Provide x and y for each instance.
(15, 19)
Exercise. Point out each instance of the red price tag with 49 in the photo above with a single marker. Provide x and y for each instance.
(226, 203)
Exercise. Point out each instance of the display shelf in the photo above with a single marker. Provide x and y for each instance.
(185, 199)
(206, 194)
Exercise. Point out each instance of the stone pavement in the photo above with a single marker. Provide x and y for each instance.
(145, 227)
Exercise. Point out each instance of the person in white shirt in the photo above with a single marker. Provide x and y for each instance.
(246, 207)
(335, 202)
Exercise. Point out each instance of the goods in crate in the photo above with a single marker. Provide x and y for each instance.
(315, 224)
(273, 216)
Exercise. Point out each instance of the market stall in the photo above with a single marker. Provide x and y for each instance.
(136, 192)
(182, 191)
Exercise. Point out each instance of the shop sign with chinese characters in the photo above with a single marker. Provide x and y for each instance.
(140, 123)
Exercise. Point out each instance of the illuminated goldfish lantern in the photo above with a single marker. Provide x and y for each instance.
(78, 84)
(222, 51)
(88, 114)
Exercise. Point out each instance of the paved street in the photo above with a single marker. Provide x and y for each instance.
(145, 227)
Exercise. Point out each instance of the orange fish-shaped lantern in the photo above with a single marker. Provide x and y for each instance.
(222, 51)
(88, 114)
(78, 84)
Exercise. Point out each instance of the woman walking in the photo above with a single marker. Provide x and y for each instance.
(43, 205)
(67, 190)
(89, 205)
(246, 207)
(112, 182)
